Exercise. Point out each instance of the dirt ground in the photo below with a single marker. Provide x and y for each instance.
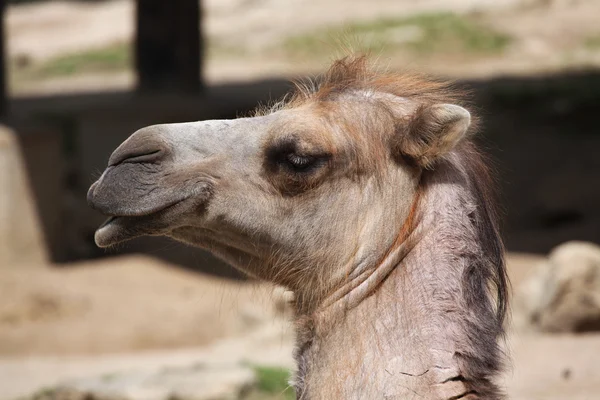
(122, 304)
(99, 317)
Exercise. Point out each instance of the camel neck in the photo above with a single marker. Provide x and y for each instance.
(364, 282)
(394, 333)
(361, 286)
(424, 322)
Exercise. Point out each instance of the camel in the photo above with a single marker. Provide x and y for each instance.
(364, 195)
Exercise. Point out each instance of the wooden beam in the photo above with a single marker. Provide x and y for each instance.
(168, 47)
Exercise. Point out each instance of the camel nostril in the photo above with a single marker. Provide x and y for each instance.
(142, 157)
(142, 154)
(148, 145)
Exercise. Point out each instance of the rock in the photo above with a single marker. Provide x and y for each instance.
(563, 293)
(197, 382)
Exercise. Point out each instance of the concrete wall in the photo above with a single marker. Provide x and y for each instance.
(21, 234)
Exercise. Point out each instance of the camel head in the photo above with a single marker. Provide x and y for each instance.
(305, 194)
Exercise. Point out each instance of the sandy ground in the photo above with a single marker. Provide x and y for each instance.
(269, 345)
(125, 303)
(134, 312)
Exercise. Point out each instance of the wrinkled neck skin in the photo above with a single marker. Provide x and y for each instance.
(400, 331)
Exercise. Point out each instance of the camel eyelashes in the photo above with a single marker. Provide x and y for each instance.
(299, 162)
(286, 155)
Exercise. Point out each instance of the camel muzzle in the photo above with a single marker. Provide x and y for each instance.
(163, 176)
(142, 191)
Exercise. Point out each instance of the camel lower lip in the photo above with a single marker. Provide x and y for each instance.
(112, 231)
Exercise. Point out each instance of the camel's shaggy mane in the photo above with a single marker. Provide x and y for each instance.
(353, 73)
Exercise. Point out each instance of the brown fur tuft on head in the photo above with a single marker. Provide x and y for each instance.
(435, 125)
(354, 73)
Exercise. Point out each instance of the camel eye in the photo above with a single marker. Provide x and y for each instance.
(285, 156)
(299, 162)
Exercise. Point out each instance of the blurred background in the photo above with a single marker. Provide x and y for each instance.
(154, 319)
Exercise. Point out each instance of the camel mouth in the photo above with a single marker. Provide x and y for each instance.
(139, 204)
(161, 220)
(120, 228)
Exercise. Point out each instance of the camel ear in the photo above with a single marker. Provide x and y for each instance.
(432, 132)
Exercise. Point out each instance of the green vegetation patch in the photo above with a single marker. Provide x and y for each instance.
(273, 383)
(112, 58)
(423, 34)
(115, 57)
(592, 42)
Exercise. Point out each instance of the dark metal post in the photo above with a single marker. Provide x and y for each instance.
(168, 45)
